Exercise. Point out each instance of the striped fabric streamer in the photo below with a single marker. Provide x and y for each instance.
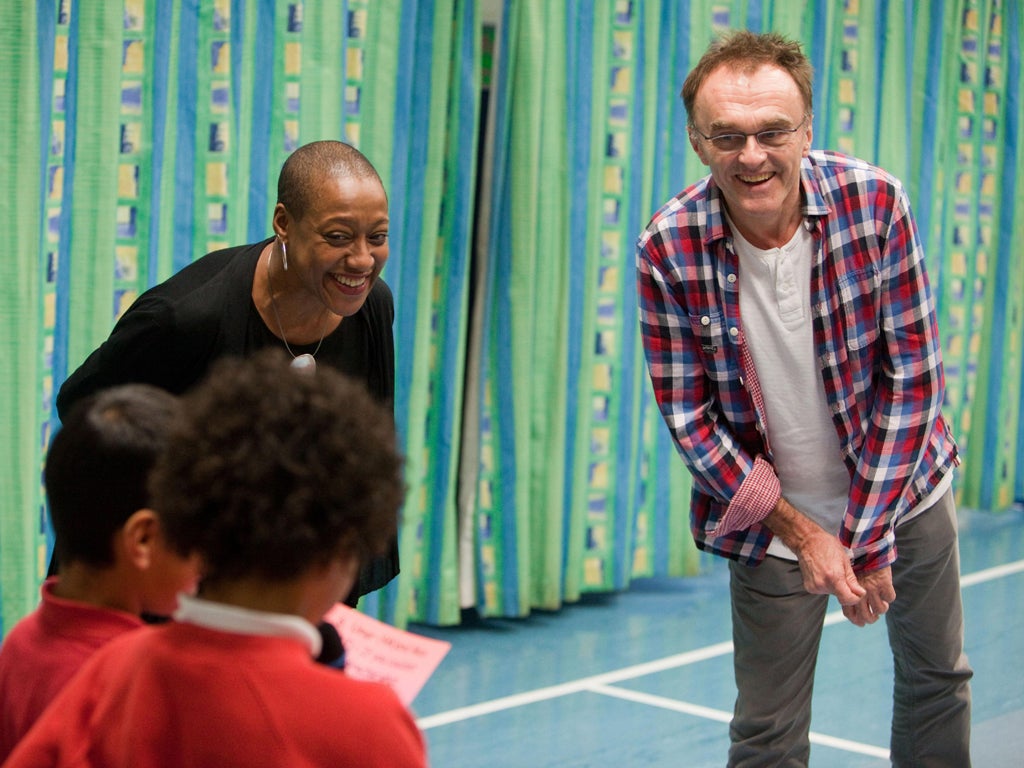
(979, 238)
(524, 306)
(497, 568)
(608, 414)
(434, 586)
(662, 544)
(585, 103)
(135, 153)
(967, 229)
(1011, 477)
(31, 184)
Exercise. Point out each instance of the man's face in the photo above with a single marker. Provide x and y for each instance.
(761, 185)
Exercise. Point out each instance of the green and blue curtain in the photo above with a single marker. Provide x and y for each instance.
(523, 144)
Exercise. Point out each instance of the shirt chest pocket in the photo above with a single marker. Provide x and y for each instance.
(714, 345)
(858, 306)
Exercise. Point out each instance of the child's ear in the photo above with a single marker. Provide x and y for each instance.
(138, 536)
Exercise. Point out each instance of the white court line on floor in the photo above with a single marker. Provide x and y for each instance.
(663, 702)
(990, 574)
(724, 717)
(659, 665)
(573, 686)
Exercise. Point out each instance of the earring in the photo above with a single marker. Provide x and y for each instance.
(284, 254)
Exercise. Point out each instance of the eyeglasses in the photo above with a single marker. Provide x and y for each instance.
(773, 138)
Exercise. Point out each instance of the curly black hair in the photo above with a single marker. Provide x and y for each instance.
(272, 471)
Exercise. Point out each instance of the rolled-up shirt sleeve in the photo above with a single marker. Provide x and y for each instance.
(757, 496)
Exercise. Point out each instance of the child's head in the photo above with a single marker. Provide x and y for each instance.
(96, 476)
(272, 474)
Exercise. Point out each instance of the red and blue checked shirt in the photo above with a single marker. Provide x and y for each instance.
(875, 339)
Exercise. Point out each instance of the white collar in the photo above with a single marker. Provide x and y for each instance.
(245, 621)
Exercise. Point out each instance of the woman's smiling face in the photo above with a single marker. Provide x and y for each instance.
(340, 245)
(761, 186)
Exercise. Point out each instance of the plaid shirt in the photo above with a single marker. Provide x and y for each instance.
(876, 344)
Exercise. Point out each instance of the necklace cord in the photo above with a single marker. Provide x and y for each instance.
(277, 317)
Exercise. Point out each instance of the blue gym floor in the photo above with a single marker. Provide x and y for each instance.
(644, 677)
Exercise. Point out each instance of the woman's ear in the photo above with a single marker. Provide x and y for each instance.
(137, 538)
(281, 220)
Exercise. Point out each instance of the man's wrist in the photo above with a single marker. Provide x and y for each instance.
(791, 525)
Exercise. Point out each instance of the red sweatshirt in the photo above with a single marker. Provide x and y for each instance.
(182, 695)
(42, 652)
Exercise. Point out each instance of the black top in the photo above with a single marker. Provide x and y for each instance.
(173, 332)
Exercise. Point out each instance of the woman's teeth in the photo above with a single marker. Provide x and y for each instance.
(351, 282)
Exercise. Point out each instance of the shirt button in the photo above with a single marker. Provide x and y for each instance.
(731, 278)
(734, 332)
(705, 320)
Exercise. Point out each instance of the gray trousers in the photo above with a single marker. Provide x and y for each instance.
(777, 628)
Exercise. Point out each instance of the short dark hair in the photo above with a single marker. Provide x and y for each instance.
(272, 471)
(306, 168)
(98, 465)
(746, 51)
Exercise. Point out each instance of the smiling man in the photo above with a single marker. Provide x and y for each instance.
(793, 349)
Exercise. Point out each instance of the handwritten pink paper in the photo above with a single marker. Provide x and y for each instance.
(385, 654)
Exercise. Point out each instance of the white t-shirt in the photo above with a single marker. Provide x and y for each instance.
(775, 304)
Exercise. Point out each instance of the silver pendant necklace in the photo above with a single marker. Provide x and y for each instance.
(305, 362)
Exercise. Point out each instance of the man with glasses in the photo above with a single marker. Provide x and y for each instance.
(792, 345)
